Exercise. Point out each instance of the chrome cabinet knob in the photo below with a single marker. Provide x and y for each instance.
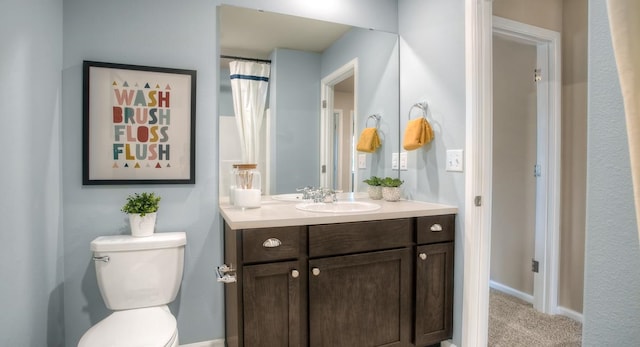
(295, 273)
(423, 256)
(315, 271)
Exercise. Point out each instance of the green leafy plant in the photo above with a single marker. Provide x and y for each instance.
(141, 203)
(391, 182)
(373, 181)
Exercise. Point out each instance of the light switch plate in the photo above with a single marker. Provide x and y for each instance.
(455, 160)
(394, 161)
(362, 161)
(404, 161)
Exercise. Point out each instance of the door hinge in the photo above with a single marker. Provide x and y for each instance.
(324, 103)
(537, 170)
(478, 200)
(535, 265)
(323, 169)
(537, 75)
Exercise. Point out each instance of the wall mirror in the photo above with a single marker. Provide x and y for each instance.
(327, 83)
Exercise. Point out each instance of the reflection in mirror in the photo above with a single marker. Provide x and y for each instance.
(325, 80)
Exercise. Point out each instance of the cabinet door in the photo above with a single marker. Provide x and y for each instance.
(360, 300)
(434, 293)
(274, 305)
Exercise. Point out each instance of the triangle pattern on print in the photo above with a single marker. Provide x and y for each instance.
(126, 165)
(114, 83)
(157, 86)
(136, 85)
(168, 87)
(148, 165)
(115, 166)
(158, 166)
(137, 166)
(125, 84)
(168, 165)
(147, 85)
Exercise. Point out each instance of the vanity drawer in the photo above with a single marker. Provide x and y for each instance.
(435, 229)
(336, 239)
(269, 244)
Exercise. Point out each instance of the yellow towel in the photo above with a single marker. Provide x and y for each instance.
(417, 134)
(369, 140)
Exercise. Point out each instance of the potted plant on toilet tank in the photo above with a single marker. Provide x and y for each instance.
(142, 208)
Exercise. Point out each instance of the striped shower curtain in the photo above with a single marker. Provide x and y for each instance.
(249, 85)
(624, 21)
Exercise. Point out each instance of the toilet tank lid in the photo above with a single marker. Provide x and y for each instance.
(113, 243)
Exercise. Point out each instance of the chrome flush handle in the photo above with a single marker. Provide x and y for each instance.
(103, 258)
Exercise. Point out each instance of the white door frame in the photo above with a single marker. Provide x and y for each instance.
(326, 116)
(478, 185)
(549, 87)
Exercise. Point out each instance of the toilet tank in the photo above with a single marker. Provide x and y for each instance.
(140, 271)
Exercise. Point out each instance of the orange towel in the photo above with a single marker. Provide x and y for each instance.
(417, 134)
(369, 140)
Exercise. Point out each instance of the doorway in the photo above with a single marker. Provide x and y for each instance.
(337, 151)
(525, 159)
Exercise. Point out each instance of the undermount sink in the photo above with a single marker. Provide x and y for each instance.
(338, 206)
(288, 197)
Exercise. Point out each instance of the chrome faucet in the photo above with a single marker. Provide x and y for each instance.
(319, 194)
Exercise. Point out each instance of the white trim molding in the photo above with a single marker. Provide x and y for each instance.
(477, 223)
(511, 291)
(567, 312)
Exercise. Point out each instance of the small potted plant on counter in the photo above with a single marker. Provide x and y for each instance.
(142, 209)
(391, 190)
(375, 187)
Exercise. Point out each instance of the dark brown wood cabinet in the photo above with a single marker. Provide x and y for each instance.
(434, 280)
(359, 300)
(346, 284)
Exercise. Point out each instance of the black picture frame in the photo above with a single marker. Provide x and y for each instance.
(138, 124)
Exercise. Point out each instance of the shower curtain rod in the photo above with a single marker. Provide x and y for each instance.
(243, 58)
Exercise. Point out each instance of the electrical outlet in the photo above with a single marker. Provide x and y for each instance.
(455, 160)
(394, 161)
(404, 161)
(362, 161)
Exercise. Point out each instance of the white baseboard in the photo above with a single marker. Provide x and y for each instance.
(447, 343)
(211, 343)
(576, 316)
(513, 292)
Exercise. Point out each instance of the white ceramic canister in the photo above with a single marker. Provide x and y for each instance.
(247, 192)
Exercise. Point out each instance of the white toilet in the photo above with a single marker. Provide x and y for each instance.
(138, 277)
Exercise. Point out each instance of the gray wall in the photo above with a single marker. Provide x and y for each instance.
(432, 68)
(30, 190)
(378, 92)
(612, 275)
(156, 33)
(295, 103)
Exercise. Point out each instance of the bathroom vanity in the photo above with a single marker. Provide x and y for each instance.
(379, 278)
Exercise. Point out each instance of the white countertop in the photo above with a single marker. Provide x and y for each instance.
(274, 213)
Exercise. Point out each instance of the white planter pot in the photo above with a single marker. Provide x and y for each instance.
(142, 226)
(391, 193)
(375, 192)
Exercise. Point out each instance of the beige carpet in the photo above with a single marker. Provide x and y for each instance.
(513, 322)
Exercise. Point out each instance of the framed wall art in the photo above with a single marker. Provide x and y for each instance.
(138, 124)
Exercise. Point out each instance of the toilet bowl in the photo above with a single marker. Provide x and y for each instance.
(142, 327)
(137, 277)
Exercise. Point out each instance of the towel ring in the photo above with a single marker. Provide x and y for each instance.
(376, 118)
(424, 106)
